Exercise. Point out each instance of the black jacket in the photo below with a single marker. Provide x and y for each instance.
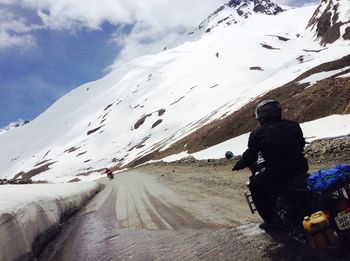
(281, 144)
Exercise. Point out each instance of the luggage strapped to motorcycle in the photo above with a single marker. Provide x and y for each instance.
(329, 180)
(341, 190)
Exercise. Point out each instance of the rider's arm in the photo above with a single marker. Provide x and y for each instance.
(250, 156)
(301, 139)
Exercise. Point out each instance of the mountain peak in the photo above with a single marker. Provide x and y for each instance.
(259, 6)
(236, 10)
(331, 21)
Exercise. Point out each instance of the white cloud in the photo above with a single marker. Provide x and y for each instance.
(14, 30)
(156, 21)
(61, 14)
(8, 40)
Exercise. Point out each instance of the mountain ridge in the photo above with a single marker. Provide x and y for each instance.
(235, 11)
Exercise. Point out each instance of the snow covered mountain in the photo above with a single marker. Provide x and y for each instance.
(331, 21)
(13, 125)
(237, 10)
(155, 106)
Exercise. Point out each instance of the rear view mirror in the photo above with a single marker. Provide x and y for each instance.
(229, 155)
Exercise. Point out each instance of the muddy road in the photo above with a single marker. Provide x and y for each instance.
(163, 212)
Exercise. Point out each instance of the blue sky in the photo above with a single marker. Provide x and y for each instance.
(33, 78)
(49, 47)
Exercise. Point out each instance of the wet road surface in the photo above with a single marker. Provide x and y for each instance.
(136, 218)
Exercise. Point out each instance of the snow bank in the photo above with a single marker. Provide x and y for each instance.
(30, 215)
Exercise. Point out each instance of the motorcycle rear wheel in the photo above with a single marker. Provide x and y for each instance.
(341, 249)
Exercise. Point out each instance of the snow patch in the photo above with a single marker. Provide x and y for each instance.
(313, 79)
(238, 145)
(250, 230)
(346, 75)
(327, 127)
(175, 157)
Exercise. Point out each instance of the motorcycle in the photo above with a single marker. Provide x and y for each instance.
(109, 173)
(321, 220)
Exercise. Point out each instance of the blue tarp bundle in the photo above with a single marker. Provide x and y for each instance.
(327, 179)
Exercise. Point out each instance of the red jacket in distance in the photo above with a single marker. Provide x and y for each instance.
(108, 171)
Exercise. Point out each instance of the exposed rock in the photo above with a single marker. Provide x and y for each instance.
(161, 112)
(255, 68)
(281, 38)
(259, 6)
(74, 180)
(327, 20)
(71, 149)
(239, 9)
(300, 59)
(13, 125)
(189, 159)
(108, 106)
(81, 153)
(19, 181)
(336, 150)
(176, 101)
(93, 130)
(28, 175)
(157, 123)
(346, 35)
(268, 46)
(141, 121)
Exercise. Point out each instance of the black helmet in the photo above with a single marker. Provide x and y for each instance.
(267, 111)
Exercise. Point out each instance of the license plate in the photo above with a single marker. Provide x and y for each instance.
(343, 220)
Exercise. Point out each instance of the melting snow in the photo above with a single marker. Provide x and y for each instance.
(346, 75)
(321, 76)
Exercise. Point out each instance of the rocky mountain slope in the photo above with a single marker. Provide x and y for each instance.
(300, 102)
(331, 21)
(185, 98)
(236, 11)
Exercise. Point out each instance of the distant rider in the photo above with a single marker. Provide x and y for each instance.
(281, 144)
(109, 172)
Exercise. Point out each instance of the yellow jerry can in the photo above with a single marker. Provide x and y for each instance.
(318, 231)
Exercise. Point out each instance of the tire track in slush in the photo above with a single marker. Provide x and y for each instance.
(143, 203)
(138, 212)
(136, 209)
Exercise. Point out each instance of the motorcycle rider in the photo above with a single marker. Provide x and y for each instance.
(109, 172)
(281, 143)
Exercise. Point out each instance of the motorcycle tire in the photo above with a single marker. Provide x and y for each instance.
(340, 250)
